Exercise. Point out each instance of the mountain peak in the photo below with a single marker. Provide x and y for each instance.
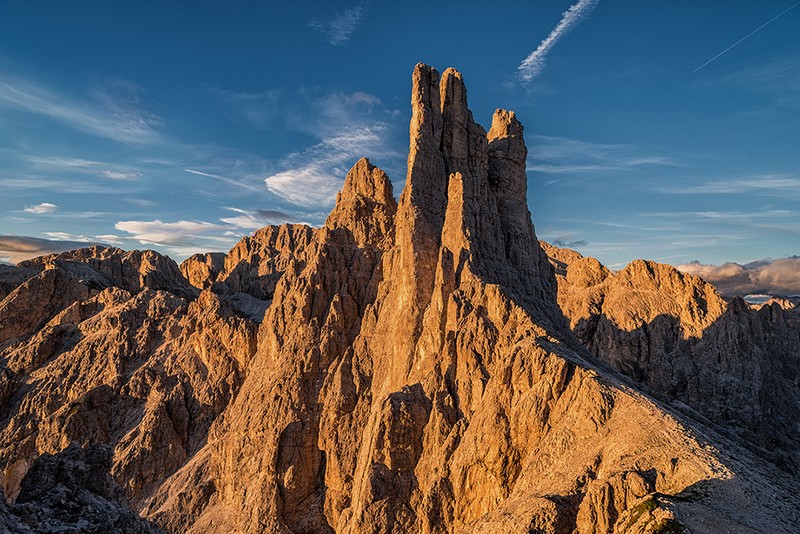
(365, 206)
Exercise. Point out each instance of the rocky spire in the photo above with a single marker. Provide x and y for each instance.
(509, 182)
(420, 212)
(365, 206)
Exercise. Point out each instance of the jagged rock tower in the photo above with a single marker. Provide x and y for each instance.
(414, 373)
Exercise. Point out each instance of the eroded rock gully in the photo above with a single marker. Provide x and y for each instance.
(404, 368)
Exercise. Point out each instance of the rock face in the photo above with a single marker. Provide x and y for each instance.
(11, 277)
(734, 364)
(410, 371)
(72, 492)
(141, 373)
(202, 270)
(257, 262)
(100, 267)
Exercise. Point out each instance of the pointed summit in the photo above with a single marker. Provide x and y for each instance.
(509, 181)
(365, 206)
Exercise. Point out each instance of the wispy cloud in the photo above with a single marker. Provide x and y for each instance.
(533, 65)
(775, 277)
(560, 155)
(765, 185)
(255, 219)
(120, 175)
(44, 207)
(746, 217)
(61, 164)
(350, 126)
(161, 233)
(340, 27)
(111, 239)
(230, 181)
(313, 176)
(66, 236)
(118, 117)
(777, 80)
(181, 238)
(568, 241)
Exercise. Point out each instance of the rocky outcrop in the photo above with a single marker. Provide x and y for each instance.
(255, 264)
(12, 277)
(560, 258)
(672, 332)
(413, 373)
(144, 373)
(365, 206)
(100, 267)
(72, 492)
(202, 270)
(28, 308)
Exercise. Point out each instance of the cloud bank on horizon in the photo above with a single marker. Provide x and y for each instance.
(14, 248)
(771, 277)
(533, 65)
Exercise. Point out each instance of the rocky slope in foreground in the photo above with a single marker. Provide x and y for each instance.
(404, 368)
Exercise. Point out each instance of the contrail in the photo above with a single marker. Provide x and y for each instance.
(773, 19)
(534, 63)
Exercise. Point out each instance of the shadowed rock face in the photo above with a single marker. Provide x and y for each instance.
(72, 492)
(410, 370)
(737, 365)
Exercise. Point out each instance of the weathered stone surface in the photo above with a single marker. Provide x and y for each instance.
(26, 309)
(202, 270)
(12, 277)
(256, 263)
(365, 206)
(100, 267)
(144, 373)
(72, 492)
(735, 364)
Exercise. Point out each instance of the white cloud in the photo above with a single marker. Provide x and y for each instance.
(120, 175)
(532, 65)
(161, 233)
(313, 176)
(142, 202)
(44, 207)
(64, 236)
(255, 219)
(340, 27)
(111, 239)
(230, 181)
(774, 277)
(62, 164)
(764, 184)
(348, 130)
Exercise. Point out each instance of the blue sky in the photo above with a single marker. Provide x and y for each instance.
(182, 127)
